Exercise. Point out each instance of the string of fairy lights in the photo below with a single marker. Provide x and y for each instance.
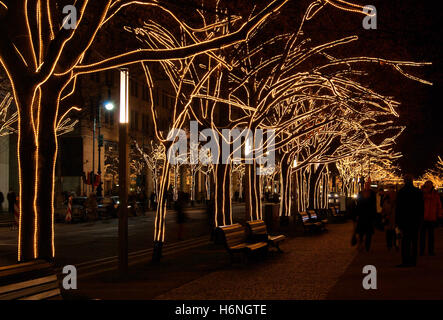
(309, 109)
(48, 60)
(320, 112)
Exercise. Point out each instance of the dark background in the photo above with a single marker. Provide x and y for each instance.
(406, 30)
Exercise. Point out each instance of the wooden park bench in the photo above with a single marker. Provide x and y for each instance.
(35, 280)
(259, 232)
(235, 241)
(336, 215)
(309, 224)
(315, 216)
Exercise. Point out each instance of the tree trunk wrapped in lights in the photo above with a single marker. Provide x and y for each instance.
(43, 60)
(305, 103)
(155, 159)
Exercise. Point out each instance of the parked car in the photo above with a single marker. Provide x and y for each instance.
(107, 207)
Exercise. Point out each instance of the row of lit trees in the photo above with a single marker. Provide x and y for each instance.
(319, 110)
(434, 174)
(43, 60)
(225, 76)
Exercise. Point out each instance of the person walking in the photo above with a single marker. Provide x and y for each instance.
(11, 201)
(380, 195)
(389, 218)
(432, 211)
(365, 214)
(408, 217)
(181, 218)
(2, 199)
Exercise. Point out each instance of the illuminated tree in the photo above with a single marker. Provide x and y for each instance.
(43, 59)
(310, 98)
(435, 174)
(155, 159)
(9, 118)
(338, 102)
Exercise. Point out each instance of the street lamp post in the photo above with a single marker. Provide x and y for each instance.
(99, 144)
(123, 173)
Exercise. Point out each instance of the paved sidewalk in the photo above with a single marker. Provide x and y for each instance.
(6, 219)
(308, 268)
(422, 282)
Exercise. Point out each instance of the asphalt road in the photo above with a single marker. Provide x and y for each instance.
(80, 242)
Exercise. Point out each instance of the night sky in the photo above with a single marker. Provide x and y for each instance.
(406, 30)
(415, 26)
(412, 29)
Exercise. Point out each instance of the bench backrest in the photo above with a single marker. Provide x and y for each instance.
(257, 227)
(304, 216)
(33, 280)
(234, 234)
(312, 214)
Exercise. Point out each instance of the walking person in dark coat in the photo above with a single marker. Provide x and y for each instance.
(181, 217)
(2, 199)
(432, 211)
(11, 201)
(408, 217)
(366, 214)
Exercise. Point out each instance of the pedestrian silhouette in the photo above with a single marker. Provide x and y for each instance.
(432, 211)
(181, 218)
(11, 201)
(389, 204)
(408, 217)
(365, 215)
(2, 199)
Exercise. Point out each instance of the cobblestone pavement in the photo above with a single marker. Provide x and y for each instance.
(425, 281)
(308, 268)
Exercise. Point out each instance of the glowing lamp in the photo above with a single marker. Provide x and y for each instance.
(248, 147)
(109, 106)
(124, 105)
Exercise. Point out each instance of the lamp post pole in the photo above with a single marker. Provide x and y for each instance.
(93, 154)
(100, 144)
(123, 173)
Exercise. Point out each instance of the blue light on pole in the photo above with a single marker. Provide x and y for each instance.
(109, 106)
